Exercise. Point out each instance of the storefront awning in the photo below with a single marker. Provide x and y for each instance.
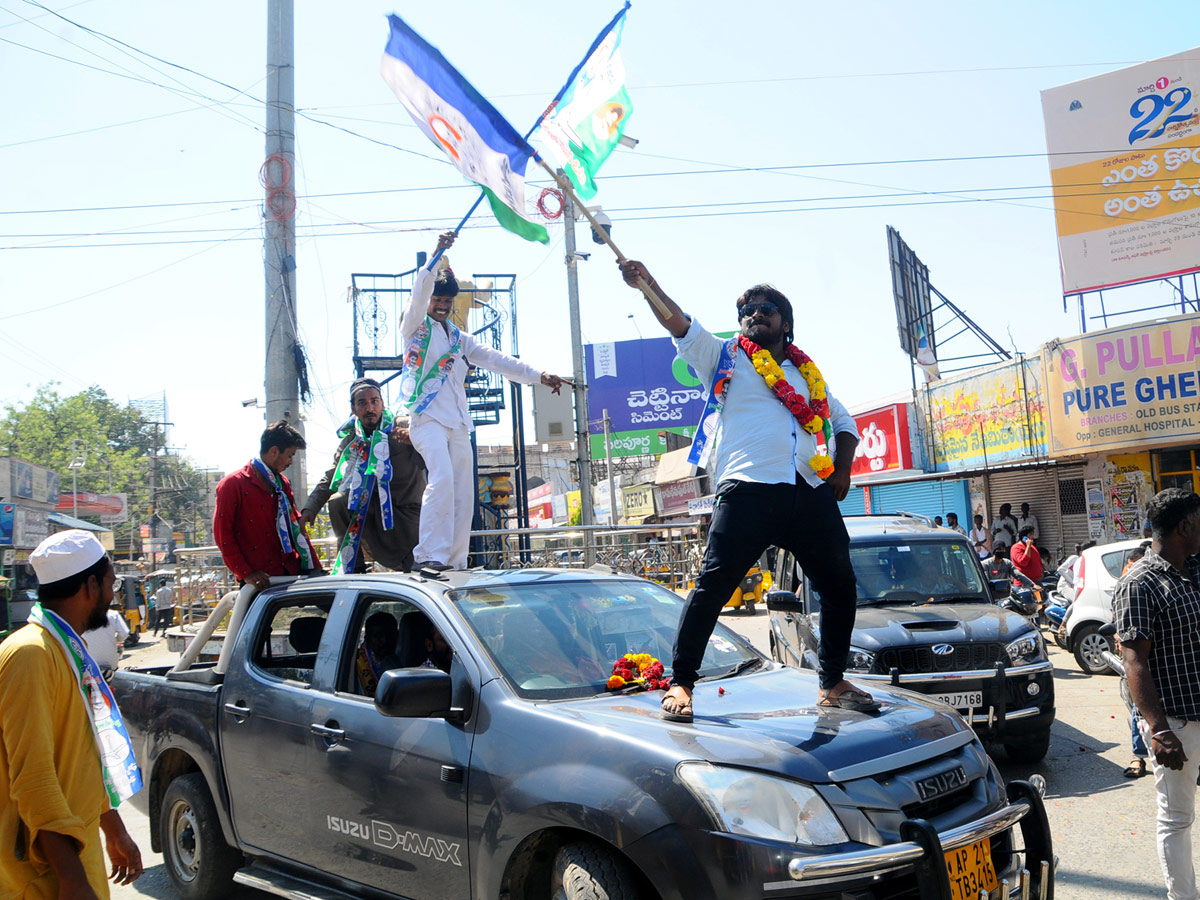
(62, 520)
(674, 466)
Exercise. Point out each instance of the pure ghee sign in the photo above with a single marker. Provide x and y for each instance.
(1138, 384)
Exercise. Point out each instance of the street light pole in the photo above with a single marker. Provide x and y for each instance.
(77, 463)
(583, 450)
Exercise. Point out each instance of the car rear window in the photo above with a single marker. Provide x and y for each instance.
(1115, 562)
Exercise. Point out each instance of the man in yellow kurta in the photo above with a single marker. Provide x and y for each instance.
(54, 793)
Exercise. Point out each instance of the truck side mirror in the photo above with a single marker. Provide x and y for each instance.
(417, 693)
(1001, 588)
(785, 602)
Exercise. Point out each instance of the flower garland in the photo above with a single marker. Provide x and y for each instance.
(637, 669)
(812, 414)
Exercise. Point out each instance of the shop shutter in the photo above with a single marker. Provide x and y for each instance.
(1072, 507)
(934, 497)
(1037, 486)
(853, 505)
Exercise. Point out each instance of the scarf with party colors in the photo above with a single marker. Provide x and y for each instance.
(364, 466)
(287, 523)
(369, 669)
(813, 417)
(418, 384)
(122, 778)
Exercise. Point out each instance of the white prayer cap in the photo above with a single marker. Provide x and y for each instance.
(65, 554)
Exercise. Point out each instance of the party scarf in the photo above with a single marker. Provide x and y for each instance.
(713, 405)
(291, 539)
(368, 670)
(418, 385)
(122, 778)
(364, 463)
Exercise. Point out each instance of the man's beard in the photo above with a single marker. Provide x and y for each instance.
(98, 618)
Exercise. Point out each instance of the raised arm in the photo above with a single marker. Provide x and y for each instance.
(422, 291)
(677, 322)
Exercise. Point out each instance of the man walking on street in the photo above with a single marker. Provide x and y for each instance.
(981, 539)
(433, 385)
(1156, 607)
(256, 524)
(65, 757)
(378, 478)
(767, 404)
(164, 606)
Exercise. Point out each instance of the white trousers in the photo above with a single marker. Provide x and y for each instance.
(449, 499)
(1177, 810)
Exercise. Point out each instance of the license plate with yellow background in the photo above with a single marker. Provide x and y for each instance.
(970, 869)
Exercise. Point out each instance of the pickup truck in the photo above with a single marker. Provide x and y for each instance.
(519, 773)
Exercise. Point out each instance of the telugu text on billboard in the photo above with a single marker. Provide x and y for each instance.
(1124, 386)
(990, 417)
(883, 445)
(1125, 171)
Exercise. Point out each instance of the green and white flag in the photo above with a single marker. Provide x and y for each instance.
(581, 129)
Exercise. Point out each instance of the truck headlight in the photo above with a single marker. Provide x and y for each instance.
(761, 806)
(859, 660)
(1027, 649)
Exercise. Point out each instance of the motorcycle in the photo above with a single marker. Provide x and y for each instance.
(1056, 615)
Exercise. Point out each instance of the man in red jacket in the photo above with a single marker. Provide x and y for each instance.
(256, 525)
(1025, 557)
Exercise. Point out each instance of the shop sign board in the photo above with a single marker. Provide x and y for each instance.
(673, 498)
(638, 500)
(884, 444)
(30, 527)
(1124, 169)
(704, 506)
(541, 505)
(1123, 387)
(156, 546)
(8, 513)
(646, 389)
(990, 417)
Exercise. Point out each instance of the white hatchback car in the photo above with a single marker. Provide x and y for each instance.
(1092, 607)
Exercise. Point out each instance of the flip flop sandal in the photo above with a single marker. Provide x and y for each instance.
(1135, 769)
(855, 701)
(678, 714)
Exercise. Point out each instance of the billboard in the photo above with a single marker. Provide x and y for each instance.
(646, 389)
(1124, 386)
(914, 313)
(1126, 174)
(997, 415)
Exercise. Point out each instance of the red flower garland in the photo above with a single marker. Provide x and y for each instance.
(796, 404)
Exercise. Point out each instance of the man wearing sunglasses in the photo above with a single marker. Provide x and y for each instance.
(773, 486)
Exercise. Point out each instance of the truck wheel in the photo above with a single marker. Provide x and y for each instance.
(591, 872)
(198, 861)
(1088, 642)
(1030, 750)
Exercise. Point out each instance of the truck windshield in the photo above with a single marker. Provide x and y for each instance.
(558, 639)
(917, 572)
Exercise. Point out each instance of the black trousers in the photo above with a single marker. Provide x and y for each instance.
(748, 518)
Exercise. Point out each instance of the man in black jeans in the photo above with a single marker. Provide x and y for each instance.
(773, 485)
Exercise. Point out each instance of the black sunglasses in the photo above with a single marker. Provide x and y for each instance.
(766, 307)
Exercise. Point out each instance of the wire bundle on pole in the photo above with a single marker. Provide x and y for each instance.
(281, 200)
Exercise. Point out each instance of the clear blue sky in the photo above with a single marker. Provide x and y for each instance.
(88, 297)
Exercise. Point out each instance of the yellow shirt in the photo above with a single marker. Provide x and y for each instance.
(50, 777)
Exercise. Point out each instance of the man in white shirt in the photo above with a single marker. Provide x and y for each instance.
(1027, 520)
(164, 605)
(952, 523)
(773, 486)
(1004, 527)
(433, 388)
(981, 539)
(105, 643)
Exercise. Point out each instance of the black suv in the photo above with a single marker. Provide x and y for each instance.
(928, 621)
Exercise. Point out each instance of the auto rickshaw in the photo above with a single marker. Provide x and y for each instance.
(752, 589)
(133, 606)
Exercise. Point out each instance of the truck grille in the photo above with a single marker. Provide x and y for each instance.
(963, 657)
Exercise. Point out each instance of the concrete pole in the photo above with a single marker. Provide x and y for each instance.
(584, 453)
(279, 232)
(612, 491)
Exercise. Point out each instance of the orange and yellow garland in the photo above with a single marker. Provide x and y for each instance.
(812, 414)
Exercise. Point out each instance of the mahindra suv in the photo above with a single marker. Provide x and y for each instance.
(928, 621)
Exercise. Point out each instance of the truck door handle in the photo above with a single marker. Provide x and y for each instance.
(330, 734)
(237, 710)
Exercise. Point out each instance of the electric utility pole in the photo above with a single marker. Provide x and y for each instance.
(582, 446)
(279, 231)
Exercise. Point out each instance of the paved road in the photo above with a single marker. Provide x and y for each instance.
(1103, 823)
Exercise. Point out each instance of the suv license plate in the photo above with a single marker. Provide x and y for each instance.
(962, 700)
(971, 871)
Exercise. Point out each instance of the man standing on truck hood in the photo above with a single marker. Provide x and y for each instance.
(378, 478)
(65, 758)
(256, 524)
(1156, 608)
(767, 404)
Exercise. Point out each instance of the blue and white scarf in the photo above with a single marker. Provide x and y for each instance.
(713, 405)
(287, 524)
(420, 384)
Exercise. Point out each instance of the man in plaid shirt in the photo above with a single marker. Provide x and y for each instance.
(1156, 607)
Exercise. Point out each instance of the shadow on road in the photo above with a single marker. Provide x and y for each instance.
(1104, 885)
(1074, 759)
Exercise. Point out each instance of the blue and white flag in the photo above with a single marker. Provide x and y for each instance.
(480, 142)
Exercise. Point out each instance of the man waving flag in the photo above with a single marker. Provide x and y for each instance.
(480, 142)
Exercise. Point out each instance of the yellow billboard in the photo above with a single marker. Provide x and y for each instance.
(1137, 384)
(1125, 172)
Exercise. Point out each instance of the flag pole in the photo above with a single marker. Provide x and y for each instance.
(565, 185)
